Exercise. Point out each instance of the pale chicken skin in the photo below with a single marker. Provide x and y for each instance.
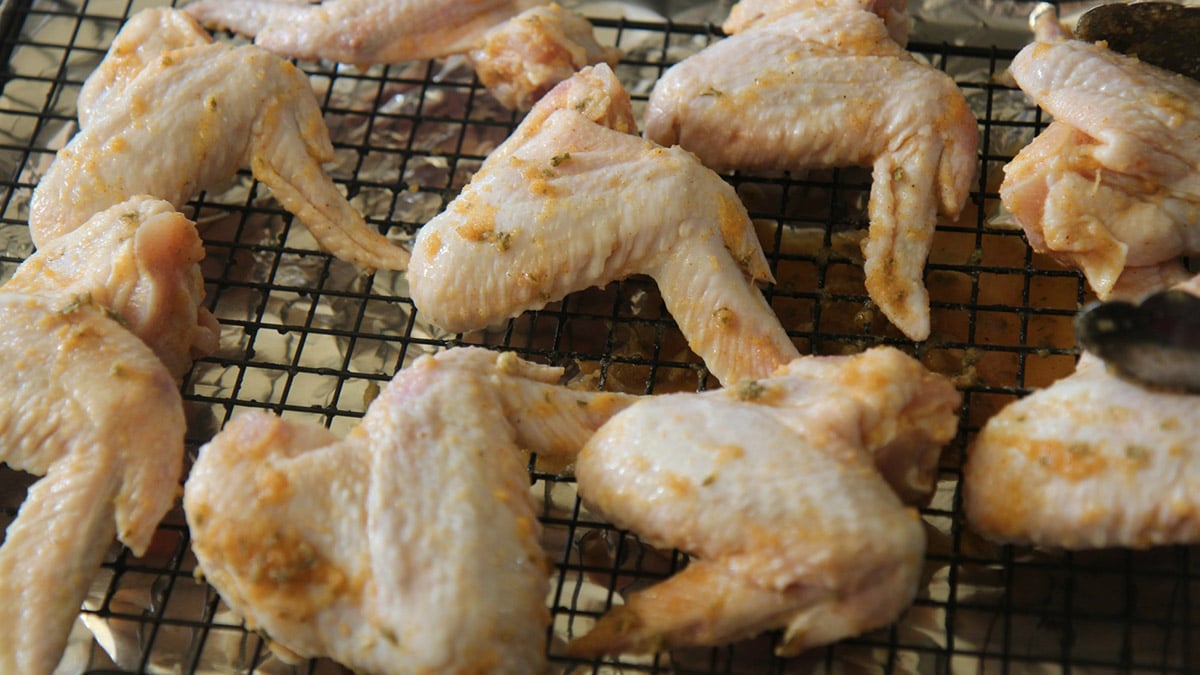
(749, 13)
(143, 39)
(830, 87)
(1091, 461)
(525, 57)
(1113, 184)
(96, 329)
(72, 381)
(410, 546)
(791, 526)
(573, 200)
(360, 32)
(140, 261)
(190, 118)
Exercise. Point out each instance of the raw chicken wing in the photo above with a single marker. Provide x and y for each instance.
(830, 87)
(87, 405)
(144, 38)
(140, 261)
(748, 13)
(573, 200)
(1091, 461)
(190, 118)
(1094, 460)
(773, 486)
(360, 32)
(523, 58)
(1113, 184)
(410, 546)
(96, 329)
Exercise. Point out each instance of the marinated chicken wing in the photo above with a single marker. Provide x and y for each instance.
(812, 87)
(572, 200)
(525, 57)
(191, 117)
(1113, 184)
(96, 329)
(360, 32)
(1091, 461)
(73, 380)
(748, 13)
(142, 40)
(140, 261)
(792, 526)
(410, 546)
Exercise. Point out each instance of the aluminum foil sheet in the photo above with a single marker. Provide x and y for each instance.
(311, 337)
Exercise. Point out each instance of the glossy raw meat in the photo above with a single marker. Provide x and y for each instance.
(830, 87)
(1113, 183)
(749, 13)
(87, 405)
(360, 32)
(410, 546)
(773, 486)
(189, 119)
(140, 261)
(1091, 461)
(573, 200)
(142, 40)
(523, 58)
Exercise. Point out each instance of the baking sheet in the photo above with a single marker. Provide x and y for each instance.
(307, 336)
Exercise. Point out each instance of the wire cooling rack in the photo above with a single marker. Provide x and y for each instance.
(308, 336)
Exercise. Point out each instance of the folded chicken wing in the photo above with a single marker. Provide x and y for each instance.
(816, 87)
(96, 329)
(1113, 184)
(792, 525)
(410, 546)
(177, 121)
(85, 404)
(360, 32)
(573, 200)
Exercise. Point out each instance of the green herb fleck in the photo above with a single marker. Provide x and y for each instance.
(116, 316)
(723, 316)
(76, 303)
(751, 390)
(1137, 452)
(501, 240)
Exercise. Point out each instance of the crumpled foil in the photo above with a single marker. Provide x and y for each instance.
(982, 608)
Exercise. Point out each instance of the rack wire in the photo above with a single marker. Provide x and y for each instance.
(308, 336)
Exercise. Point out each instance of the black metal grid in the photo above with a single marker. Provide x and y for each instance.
(1001, 315)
